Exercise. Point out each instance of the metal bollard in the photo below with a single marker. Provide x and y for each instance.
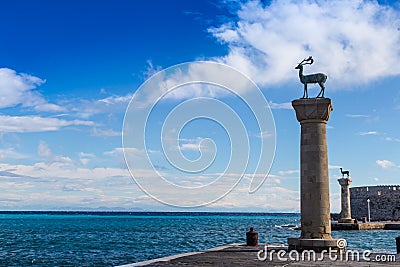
(398, 244)
(252, 237)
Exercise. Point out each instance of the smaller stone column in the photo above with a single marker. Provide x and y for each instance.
(345, 215)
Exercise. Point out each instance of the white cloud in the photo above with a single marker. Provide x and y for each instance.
(85, 158)
(265, 134)
(84, 161)
(46, 107)
(151, 69)
(10, 153)
(335, 166)
(23, 124)
(190, 146)
(391, 139)
(105, 132)
(89, 155)
(385, 164)
(192, 80)
(62, 167)
(368, 133)
(286, 105)
(114, 152)
(116, 99)
(43, 149)
(48, 185)
(288, 172)
(110, 105)
(16, 88)
(107, 187)
(119, 151)
(268, 198)
(352, 41)
(19, 88)
(357, 116)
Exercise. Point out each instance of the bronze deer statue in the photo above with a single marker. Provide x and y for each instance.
(319, 78)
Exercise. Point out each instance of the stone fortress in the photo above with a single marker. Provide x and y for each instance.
(384, 202)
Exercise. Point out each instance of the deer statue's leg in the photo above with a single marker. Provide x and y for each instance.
(306, 90)
(305, 95)
(322, 89)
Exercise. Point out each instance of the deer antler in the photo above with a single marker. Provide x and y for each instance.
(308, 60)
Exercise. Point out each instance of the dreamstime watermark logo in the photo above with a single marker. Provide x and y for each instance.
(193, 131)
(341, 243)
(339, 254)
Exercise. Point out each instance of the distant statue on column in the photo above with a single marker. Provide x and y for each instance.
(345, 214)
(344, 173)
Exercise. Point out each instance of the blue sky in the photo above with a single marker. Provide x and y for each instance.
(70, 68)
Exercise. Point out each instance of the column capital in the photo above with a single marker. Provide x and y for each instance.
(344, 181)
(312, 109)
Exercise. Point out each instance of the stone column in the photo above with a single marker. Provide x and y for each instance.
(345, 215)
(313, 114)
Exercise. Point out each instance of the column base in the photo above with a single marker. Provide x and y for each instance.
(346, 220)
(317, 245)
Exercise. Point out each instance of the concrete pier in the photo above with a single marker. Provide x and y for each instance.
(345, 214)
(277, 255)
(313, 114)
(367, 226)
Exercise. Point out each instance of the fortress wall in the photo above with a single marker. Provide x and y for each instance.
(384, 202)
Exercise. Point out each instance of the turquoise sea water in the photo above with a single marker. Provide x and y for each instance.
(108, 239)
